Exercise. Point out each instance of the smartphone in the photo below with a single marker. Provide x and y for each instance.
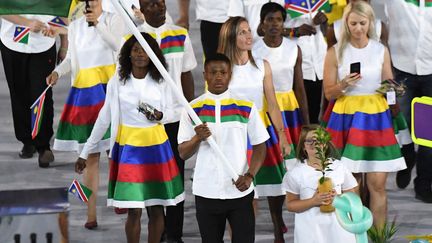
(355, 67)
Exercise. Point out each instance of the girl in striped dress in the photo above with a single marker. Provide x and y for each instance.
(285, 59)
(91, 60)
(252, 80)
(143, 171)
(360, 122)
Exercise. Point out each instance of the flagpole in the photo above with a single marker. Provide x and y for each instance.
(228, 167)
(49, 86)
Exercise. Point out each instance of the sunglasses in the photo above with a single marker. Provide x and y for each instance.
(310, 141)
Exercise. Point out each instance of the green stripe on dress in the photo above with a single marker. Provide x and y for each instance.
(372, 153)
(270, 174)
(129, 191)
(79, 133)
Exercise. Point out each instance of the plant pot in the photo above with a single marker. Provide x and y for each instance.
(326, 187)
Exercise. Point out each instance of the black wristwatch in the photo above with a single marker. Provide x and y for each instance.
(248, 174)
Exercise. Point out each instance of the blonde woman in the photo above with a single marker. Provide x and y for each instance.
(360, 122)
(252, 80)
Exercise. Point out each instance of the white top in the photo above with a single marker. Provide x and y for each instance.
(120, 107)
(313, 47)
(209, 11)
(37, 42)
(247, 82)
(410, 32)
(92, 46)
(337, 25)
(282, 60)
(371, 60)
(250, 9)
(312, 225)
(210, 178)
(179, 61)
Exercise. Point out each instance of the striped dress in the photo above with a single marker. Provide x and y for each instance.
(247, 83)
(282, 60)
(143, 170)
(360, 123)
(95, 66)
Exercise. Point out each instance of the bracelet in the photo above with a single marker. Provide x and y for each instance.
(343, 90)
(63, 49)
(292, 33)
(248, 174)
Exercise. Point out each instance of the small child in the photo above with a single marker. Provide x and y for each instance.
(302, 196)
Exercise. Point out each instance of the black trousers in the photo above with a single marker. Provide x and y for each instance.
(313, 92)
(212, 215)
(25, 75)
(175, 214)
(209, 36)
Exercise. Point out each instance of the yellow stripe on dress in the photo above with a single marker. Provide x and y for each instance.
(141, 137)
(89, 77)
(287, 101)
(369, 104)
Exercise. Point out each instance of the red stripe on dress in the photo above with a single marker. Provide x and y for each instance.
(81, 115)
(273, 156)
(363, 138)
(143, 173)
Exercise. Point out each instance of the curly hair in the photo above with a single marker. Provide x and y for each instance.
(125, 63)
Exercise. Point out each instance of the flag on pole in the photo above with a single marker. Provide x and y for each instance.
(36, 114)
(296, 8)
(21, 34)
(80, 191)
(57, 22)
(44, 7)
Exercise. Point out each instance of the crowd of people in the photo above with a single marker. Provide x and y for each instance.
(270, 79)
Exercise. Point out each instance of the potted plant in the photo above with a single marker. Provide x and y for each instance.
(325, 184)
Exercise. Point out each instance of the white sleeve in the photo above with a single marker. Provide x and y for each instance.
(236, 8)
(290, 183)
(103, 120)
(186, 129)
(189, 61)
(66, 65)
(166, 103)
(256, 130)
(349, 181)
(112, 31)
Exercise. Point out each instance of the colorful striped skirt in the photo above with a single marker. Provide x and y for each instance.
(86, 98)
(292, 121)
(401, 130)
(361, 128)
(268, 180)
(143, 170)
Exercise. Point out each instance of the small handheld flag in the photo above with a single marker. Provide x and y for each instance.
(36, 115)
(37, 112)
(57, 22)
(296, 8)
(80, 191)
(21, 34)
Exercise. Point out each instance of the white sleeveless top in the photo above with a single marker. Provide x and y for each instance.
(282, 60)
(371, 60)
(337, 26)
(247, 82)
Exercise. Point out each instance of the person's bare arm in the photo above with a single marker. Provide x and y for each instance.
(188, 87)
(34, 24)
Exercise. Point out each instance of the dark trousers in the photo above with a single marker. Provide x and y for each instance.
(314, 93)
(175, 214)
(417, 85)
(209, 36)
(25, 75)
(212, 215)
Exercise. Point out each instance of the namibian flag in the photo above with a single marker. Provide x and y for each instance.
(21, 34)
(57, 22)
(36, 114)
(296, 8)
(80, 191)
(44, 7)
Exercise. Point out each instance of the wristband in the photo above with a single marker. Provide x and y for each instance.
(248, 174)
